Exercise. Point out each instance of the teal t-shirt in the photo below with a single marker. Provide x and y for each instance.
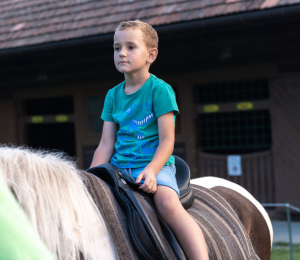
(137, 113)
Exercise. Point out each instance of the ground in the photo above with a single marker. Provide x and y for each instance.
(281, 248)
(281, 251)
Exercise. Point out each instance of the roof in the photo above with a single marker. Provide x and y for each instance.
(25, 23)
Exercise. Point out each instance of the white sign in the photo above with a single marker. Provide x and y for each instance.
(234, 165)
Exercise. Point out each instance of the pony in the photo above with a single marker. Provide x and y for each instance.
(50, 189)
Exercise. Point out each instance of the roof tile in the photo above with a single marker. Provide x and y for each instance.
(220, 10)
(269, 3)
(39, 21)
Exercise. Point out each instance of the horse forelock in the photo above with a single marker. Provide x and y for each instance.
(50, 191)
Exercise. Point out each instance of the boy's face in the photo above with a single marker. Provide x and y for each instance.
(130, 52)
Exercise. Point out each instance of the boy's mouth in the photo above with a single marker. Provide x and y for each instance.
(122, 62)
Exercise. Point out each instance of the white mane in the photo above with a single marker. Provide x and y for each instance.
(58, 205)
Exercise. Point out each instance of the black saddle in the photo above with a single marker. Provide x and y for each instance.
(149, 233)
(183, 176)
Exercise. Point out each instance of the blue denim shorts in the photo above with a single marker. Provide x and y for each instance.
(166, 176)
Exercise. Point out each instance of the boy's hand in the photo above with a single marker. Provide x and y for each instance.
(149, 184)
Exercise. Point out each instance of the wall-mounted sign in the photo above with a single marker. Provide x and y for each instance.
(244, 106)
(37, 119)
(234, 165)
(211, 108)
(61, 118)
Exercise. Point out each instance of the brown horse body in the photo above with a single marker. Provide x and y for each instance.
(252, 220)
(249, 211)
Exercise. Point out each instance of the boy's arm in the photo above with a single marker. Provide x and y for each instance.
(105, 149)
(166, 130)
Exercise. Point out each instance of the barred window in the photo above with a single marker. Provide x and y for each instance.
(94, 112)
(228, 130)
(234, 91)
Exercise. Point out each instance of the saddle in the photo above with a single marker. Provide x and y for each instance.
(149, 233)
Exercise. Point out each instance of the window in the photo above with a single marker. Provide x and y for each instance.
(235, 91)
(95, 105)
(50, 106)
(235, 131)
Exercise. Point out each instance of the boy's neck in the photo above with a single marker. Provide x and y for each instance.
(133, 82)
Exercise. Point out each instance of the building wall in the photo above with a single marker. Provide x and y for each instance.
(7, 122)
(285, 107)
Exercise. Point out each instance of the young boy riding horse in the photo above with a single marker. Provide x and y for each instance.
(144, 107)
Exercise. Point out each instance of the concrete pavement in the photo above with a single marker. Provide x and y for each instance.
(280, 229)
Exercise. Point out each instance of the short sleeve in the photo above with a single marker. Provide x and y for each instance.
(164, 100)
(108, 107)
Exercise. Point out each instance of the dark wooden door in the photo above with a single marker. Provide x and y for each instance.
(257, 175)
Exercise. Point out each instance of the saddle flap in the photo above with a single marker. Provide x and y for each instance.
(150, 216)
(183, 175)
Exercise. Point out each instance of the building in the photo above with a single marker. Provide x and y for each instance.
(234, 65)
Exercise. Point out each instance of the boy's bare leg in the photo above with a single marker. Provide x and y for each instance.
(182, 224)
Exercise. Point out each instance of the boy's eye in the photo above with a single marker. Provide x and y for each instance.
(131, 47)
(117, 48)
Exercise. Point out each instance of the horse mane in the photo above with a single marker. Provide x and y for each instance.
(48, 187)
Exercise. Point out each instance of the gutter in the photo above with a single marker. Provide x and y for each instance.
(270, 15)
(240, 19)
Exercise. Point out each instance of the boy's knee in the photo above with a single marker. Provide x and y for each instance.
(167, 206)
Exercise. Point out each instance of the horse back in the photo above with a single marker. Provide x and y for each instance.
(252, 215)
(252, 220)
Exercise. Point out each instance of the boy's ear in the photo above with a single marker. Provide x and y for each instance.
(152, 55)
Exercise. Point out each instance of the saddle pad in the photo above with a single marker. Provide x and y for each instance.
(224, 233)
(113, 215)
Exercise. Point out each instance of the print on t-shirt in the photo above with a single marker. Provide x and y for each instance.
(135, 117)
(132, 124)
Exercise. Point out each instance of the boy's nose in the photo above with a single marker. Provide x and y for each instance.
(122, 53)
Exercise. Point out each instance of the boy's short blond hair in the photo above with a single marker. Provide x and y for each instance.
(149, 34)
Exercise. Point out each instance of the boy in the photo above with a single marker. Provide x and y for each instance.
(144, 107)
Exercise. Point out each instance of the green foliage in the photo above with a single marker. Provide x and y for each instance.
(281, 251)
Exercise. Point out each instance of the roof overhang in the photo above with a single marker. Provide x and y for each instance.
(272, 15)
